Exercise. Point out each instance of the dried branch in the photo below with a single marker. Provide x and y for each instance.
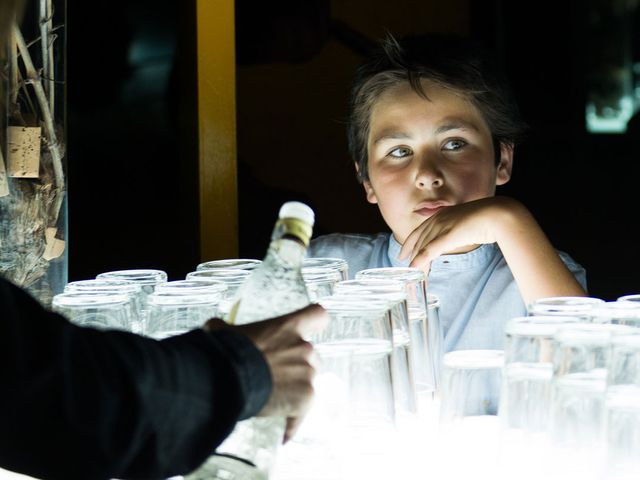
(54, 147)
(46, 46)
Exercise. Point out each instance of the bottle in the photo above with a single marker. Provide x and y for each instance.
(276, 287)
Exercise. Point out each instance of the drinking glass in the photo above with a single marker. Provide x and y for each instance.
(354, 395)
(564, 306)
(230, 263)
(468, 422)
(338, 264)
(426, 333)
(106, 286)
(148, 279)
(525, 398)
(172, 314)
(630, 298)
(619, 313)
(392, 291)
(320, 281)
(232, 278)
(108, 311)
(622, 408)
(578, 394)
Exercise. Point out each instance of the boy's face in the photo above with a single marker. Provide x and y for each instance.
(424, 155)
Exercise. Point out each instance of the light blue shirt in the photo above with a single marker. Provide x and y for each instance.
(477, 291)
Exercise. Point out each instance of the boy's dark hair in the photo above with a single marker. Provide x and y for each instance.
(450, 62)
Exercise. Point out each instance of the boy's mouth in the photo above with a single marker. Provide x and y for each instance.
(427, 209)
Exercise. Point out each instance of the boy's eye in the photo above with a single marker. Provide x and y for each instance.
(454, 144)
(400, 152)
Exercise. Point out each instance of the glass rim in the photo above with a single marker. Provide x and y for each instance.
(566, 303)
(145, 276)
(473, 359)
(353, 304)
(632, 298)
(401, 273)
(163, 299)
(230, 276)
(82, 300)
(594, 333)
(229, 263)
(538, 325)
(185, 287)
(320, 274)
(103, 284)
(340, 263)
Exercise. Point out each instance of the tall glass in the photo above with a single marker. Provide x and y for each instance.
(468, 422)
(173, 314)
(106, 286)
(108, 311)
(426, 333)
(564, 306)
(618, 313)
(232, 278)
(402, 359)
(338, 264)
(320, 281)
(525, 398)
(578, 395)
(622, 409)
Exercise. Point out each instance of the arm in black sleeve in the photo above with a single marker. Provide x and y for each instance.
(79, 403)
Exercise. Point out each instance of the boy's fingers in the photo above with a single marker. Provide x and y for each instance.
(409, 243)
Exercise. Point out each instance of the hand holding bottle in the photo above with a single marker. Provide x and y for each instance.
(290, 359)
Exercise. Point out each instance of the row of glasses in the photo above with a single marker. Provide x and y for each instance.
(113, 300)
(559, 396)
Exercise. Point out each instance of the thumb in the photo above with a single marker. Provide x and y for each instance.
(311, 319)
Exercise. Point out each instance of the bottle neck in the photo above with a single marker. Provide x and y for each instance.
(292, 229)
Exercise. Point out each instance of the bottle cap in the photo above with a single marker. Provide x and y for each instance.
(297, 210)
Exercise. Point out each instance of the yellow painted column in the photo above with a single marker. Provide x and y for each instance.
(217, 129)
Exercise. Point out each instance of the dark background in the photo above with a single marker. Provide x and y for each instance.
(132, 125)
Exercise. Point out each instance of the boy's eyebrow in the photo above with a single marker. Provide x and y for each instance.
(391, 135)
(456, 124)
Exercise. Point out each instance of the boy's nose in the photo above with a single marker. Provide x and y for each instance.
(428, 175)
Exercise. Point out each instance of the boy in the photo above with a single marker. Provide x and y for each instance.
(432, 131)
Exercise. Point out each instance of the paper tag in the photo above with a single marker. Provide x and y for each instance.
(23, 152)
(54, 247)
(4, 183)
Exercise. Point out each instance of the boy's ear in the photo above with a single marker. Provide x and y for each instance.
(503, 173)
(371, 195)
(368, 189)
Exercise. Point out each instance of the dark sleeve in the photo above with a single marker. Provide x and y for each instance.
(80, 403)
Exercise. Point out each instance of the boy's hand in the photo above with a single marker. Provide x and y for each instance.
(457, 229)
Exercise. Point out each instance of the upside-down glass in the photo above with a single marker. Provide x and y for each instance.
(109, 311)
(426, 333)
(622, 409)
(525, 397)
(564, 306)
(148, 279)
(230, 264)
(468, 422)
(232, 278)
(338, 264)
(320, 281)
(355, 351)
(577, 396)
(107, 286)
(353, 409)
(394, 292)
(617, 313)
(172, 314)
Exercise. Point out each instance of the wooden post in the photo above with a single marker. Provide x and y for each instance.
(217, 129)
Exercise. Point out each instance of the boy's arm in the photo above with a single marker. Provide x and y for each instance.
(536, 267)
